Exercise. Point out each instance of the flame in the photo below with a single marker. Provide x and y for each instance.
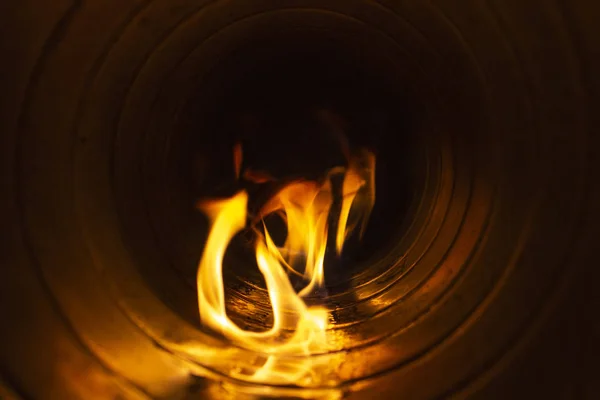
(238, 156)
(360, 179)
(307, 208)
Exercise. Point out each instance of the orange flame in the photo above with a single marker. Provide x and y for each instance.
(238, 156)
(306, 208)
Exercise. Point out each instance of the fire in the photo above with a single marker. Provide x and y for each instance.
(307, 208)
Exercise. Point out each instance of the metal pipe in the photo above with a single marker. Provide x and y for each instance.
(484, 114)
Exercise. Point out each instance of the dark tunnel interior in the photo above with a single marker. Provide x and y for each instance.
(285, 112)
(475, 277)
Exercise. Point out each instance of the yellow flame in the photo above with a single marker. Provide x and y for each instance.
(358, 191)
(298, 330)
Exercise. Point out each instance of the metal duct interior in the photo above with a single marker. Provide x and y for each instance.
(476, 275)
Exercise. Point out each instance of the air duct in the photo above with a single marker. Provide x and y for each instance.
(476, 276)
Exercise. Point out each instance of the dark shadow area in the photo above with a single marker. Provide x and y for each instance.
(285, 101)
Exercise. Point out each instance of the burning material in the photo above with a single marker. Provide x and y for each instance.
(307, 209)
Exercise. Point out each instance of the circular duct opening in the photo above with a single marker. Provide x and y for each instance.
(284, 99)
(475, 155)
(281, 91)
